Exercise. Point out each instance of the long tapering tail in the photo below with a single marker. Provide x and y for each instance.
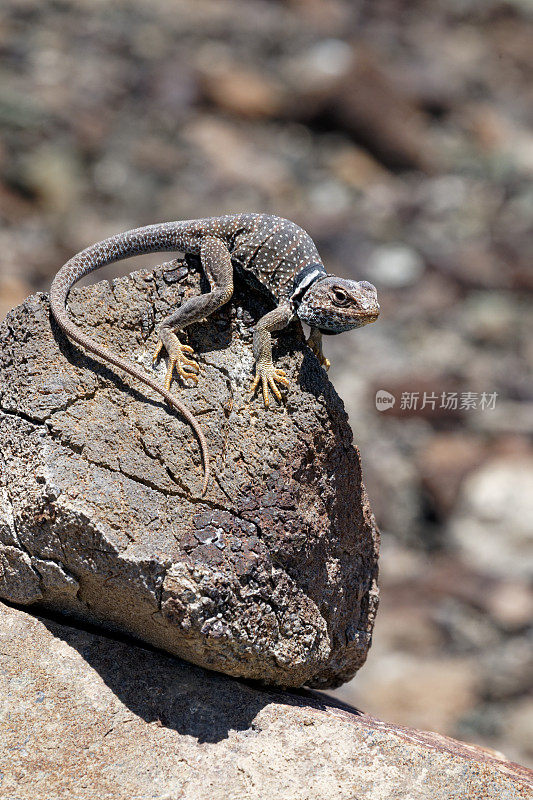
(153, 238)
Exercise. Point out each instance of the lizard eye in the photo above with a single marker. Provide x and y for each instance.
(340, 298)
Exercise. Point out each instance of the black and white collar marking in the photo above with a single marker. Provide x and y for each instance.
(303, 280)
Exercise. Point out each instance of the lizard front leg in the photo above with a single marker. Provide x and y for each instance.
(216, 262)
(315, 343)
(266, 373)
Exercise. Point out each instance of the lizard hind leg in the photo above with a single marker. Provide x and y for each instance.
(216, 262)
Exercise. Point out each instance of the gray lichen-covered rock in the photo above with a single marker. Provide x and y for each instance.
(272, 575)
(84, 717)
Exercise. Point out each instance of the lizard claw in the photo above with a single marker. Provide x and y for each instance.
(186, 368)
(323, 361)
(268, 376)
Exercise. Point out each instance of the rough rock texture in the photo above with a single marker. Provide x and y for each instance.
(271, 576)
(84, 716)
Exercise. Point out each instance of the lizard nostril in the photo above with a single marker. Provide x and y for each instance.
(367, 285)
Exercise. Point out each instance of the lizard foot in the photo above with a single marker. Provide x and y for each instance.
(185, 367)
(269, 375)
(316, 347)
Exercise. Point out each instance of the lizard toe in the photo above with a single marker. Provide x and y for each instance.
(187, 362)
(275, 391)
(157, 351)
(266, 398)
(168, 377)
(280, 376)
(188, 376)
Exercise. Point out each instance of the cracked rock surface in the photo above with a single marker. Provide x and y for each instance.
(86, 717)
(271, 575)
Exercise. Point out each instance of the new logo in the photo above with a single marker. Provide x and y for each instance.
(384, 400)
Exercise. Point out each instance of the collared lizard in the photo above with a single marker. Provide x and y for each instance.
(270, 253)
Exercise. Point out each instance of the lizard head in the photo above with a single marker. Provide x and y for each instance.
(334, 305)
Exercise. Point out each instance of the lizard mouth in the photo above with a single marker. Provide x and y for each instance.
(366, 317)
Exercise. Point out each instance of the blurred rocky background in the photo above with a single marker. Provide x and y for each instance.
(399, 134)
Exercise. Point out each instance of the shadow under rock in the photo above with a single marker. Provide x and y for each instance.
(159, 687)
